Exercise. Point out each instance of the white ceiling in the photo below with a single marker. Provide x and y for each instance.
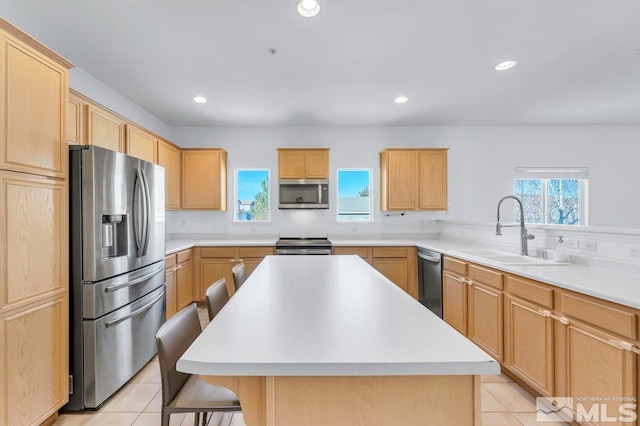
(579, 60)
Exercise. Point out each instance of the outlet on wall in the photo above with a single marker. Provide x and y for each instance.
(634, 251)
(589, 245)
(571, 243)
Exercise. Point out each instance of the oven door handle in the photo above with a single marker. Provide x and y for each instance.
(134, 313)
(428, 258)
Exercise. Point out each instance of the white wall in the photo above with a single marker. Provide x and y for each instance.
(94, 89)
(481, 163)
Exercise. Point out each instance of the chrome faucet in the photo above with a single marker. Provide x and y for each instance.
(524, 236)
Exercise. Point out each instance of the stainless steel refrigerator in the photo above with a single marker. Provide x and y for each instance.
(117, 275)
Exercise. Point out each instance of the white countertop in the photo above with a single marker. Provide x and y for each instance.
(328, 316)
(608, 284)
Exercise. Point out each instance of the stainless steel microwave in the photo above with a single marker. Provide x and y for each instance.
(304, 194)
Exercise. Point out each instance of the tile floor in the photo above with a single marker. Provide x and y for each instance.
(504, 403)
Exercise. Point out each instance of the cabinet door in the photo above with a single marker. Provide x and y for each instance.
(75, 120)
(433, 179)
(485, 319)
(214, 269)
(594, 365)
(33, 99)
(171, 293)
(169, 158)
(35, 348)
(105, 129)
(204, 179)
(141, 144)
(317, 164)
(33, 238)
(454, 301)
(363, 252)
(184, 284)
(291, 164)
(528, 344)
(402, 180)
(397, 270)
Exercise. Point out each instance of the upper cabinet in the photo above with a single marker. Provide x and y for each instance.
(303, 163)
(33, 103)
(204, 179)
(413, 179)
(76, 108)
(169, 158)
(105, 129)
(141, 144)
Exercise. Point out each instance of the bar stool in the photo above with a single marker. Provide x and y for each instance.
(182, 392)
(239, 275)
(217, 296)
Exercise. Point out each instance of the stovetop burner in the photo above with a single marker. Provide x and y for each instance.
(303, 245)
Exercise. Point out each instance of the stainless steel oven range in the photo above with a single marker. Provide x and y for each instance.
(303, 246)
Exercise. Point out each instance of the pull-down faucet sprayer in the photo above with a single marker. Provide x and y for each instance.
(524, 236)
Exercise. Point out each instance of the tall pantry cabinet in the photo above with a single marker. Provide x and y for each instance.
(33, 230)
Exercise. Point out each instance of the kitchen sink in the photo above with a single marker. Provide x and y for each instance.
(505, 258)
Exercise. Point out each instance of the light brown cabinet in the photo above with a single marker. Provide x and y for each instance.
(179, 281)
(398, 264)
(141, 144)
(105, 129)
(169, 158)
(204, 179)
(76, 109)
(213, 263)
(34, 299)
(472, 303)
(171, 294)
(413, 179)
(303, 163)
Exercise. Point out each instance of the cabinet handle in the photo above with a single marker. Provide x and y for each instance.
(545, 313)
(468, 281)
(461, 280)
(624, 345)
(240, 260)
(232, 260)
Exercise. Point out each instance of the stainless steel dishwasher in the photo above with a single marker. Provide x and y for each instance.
(430, 280)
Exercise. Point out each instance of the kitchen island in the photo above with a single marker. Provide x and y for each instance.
(319, 340)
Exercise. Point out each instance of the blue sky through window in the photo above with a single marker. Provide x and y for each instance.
(350, 182)
(249, 183)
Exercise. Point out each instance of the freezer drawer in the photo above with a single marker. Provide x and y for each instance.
(118, 345)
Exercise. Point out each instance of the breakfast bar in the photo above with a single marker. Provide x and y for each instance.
(318, 340)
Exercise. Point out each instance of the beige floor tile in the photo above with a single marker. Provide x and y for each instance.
(512, 397)
(154, 419)
(132, 398)
(112, 419)
(73, 419)
(155, 406)
(529, 419)
(499, 419)
(188, 420)
(150, 373)
(495, 378)
(237, 420)
(489, 403)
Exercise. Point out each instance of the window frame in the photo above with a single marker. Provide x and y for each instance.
(354, 169)
(235, 193)
(545, 175)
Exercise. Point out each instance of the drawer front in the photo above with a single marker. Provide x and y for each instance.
(485, 276)
(225, 252)
(390, 252)
(246, 252)
(170, 261)
(599, 315)
(455, 265)
(184, 255)
(363, 252)
(531, 291)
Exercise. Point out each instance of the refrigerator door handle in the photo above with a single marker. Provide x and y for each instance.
(141, 214)
(147, 209)
(134, 313)
(133, 282)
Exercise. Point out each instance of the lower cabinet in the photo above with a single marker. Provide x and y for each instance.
(214, 263)
(170, 285)
(398, 264)
(179, 281)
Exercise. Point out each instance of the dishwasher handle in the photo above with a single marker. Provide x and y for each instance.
(429, 258)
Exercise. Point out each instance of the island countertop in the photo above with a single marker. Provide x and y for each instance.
(328, 316)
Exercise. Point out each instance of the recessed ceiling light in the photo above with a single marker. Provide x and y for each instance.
(502, 66)
(200, 99)
(308, 8)
(401, 99)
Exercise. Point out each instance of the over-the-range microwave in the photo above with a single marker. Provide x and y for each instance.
(304, 194)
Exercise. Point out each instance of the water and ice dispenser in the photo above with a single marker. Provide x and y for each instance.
(114, 235)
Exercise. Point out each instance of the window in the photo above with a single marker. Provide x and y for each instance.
(354, 201)
(253, 203)
(552, 196)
